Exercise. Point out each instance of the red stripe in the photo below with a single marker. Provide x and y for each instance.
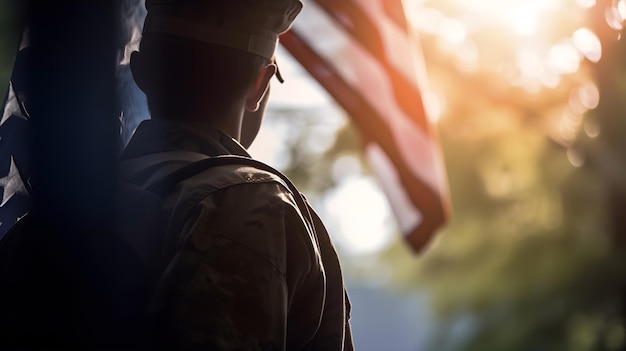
(354, 20)
(374, 129)
(395, 11)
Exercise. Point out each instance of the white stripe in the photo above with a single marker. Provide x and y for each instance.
(407, 214)
(394, 40)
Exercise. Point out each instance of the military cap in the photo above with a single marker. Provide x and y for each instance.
(248, 25)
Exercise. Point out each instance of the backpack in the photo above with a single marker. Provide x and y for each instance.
(43, 303)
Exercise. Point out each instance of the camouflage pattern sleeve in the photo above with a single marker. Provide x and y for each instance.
(246, 275)
(334, 332)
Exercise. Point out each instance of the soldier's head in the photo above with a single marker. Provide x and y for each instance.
(204, 59)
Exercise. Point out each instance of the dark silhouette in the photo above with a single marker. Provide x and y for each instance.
(196, 245)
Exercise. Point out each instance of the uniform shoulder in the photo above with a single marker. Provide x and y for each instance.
(220, 177)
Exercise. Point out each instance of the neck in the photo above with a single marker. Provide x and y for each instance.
(230, 126)
(228, 122)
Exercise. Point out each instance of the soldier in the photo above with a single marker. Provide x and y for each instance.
(249, 265)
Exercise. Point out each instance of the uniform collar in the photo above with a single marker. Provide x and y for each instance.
(158, 135)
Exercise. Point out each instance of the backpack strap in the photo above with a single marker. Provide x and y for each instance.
(136, 167)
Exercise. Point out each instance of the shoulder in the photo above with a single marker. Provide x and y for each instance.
(247, 194)
(232, 175)
(250, 208)
(238, 197)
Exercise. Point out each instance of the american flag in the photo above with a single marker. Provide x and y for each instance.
(14, 156)
(363, 54)
(58, 127)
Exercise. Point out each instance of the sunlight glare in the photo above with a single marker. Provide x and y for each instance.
(564, 57)
(424, 19)
(575, 158)
(588, 43)
(435, 106)
(587, 4)
(521, 15)
(550, 78)
(589, 95)
(467, 56)
(570, 126)
(621, 9)
(530, 67)
(453, 31)
(592, 128)
(529, 62)
(524, 20)
(362, 215)
(613, 18)
(575, 104)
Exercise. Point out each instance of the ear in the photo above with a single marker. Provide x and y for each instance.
(138, 69)
(258, 90)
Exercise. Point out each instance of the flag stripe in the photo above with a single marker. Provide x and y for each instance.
(395, 11)
(374, 129)
(367, 77)
(354, 19)
(408, 215)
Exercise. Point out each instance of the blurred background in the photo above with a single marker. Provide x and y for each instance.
(529, 101)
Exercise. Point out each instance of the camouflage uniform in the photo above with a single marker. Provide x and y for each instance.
(243, 272)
